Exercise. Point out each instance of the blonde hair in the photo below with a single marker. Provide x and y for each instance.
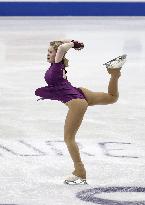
(55, 45)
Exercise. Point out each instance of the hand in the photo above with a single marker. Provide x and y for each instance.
(77, 45)
(79, 48)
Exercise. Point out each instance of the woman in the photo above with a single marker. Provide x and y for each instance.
(76, 99)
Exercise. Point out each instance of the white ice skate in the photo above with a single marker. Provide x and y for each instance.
(116, 63)
(75, 180)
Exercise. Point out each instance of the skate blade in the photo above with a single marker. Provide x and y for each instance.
(76, 182)
(119, 57)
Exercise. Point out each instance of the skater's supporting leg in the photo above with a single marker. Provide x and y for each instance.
(77, 109)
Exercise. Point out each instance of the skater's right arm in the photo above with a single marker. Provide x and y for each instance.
(77, 45)
(63, 48)
(66, 46)
(61, 51)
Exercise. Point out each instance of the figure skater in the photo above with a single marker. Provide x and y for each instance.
(76, 99)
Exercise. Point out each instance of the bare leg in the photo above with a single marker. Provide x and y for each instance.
(77, 109)
(75, 155)
(113, 83)
(102, 98)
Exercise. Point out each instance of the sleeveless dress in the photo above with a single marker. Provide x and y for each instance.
(59, 88)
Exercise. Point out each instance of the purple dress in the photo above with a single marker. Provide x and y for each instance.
(59, 88)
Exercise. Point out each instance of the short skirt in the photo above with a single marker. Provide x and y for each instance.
(63, 92)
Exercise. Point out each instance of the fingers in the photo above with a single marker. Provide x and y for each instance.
(78, 49)
(82, 45)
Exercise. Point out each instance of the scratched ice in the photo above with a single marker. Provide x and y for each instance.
(34, 160)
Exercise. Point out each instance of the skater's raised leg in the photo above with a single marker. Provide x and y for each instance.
(101, 98)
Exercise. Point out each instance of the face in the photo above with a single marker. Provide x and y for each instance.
(51, 55)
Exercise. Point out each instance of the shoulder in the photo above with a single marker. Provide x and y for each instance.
(62, 61)
(59, 63)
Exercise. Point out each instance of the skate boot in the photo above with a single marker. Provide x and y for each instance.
(75, 180)
(116, 63)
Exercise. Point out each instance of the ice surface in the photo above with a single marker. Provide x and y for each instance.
(34, 160)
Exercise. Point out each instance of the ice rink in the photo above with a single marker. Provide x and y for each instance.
(34, 160)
